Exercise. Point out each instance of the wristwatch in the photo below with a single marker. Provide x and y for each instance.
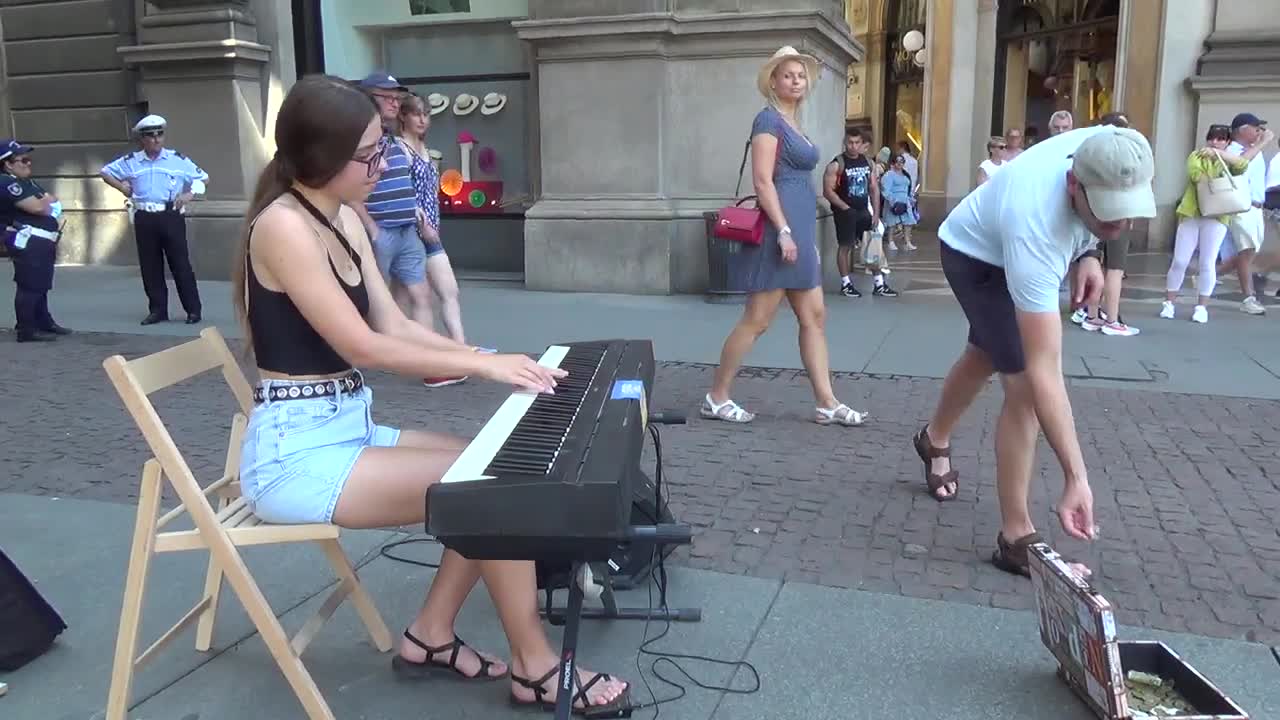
(786, 230)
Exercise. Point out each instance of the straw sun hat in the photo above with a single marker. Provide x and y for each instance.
(812, 68)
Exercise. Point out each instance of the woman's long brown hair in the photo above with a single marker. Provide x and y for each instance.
(317, 131)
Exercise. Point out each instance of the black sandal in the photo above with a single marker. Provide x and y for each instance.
(620, 707)
(934, 481)
(409, 669)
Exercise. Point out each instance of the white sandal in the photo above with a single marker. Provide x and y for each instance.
(735, 413)
(840, 415)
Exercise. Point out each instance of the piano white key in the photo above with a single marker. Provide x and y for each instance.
(479, 452)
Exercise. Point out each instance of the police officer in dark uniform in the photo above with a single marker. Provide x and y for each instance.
(30, 217)
(159, 183)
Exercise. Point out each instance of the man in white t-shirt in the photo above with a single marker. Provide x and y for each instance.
(1247, 228)
(1005, 251)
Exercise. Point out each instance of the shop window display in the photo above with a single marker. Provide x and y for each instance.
(1055, 55)
(474, 143)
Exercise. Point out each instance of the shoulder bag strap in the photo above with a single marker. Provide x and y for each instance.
(746, 149)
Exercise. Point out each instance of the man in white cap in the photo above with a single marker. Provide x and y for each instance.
(1005, 250)
(159, 183)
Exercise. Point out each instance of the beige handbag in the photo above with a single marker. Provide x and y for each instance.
(1223, 195)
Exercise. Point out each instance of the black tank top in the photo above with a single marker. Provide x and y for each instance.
(283, 340)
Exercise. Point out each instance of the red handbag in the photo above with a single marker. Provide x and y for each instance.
(742, 224)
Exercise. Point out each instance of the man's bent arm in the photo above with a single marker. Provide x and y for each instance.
(1042, 347)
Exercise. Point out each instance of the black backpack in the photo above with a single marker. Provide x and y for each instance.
(28, 624)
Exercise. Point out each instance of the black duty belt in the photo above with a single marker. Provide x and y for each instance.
(298, 390)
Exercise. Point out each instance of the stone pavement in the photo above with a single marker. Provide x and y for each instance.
(1184, 485)
(915, 335)
(785, 649)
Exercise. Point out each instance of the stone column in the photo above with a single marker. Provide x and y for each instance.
(644, 109)
(940, 59)
(204, 68)
(1240, 69)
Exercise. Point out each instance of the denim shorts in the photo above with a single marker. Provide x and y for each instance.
(298, 453)
(401, 254)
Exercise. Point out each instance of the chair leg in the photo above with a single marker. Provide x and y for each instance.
(273, 635)
(212, 591)
(135, 583)
(359, 595)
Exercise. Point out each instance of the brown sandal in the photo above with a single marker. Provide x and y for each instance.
(1011, 557)
(935, 482)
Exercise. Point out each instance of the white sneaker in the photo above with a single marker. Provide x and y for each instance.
(1200, 314)
(1119, 329)
(1166, 310)
(1078, 316)
(1092, 324)
(912, 246)
(1252, 306)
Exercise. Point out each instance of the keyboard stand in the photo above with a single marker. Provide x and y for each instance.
(610, 609)
(573, 613)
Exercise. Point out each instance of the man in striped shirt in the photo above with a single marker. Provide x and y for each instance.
(390, 213)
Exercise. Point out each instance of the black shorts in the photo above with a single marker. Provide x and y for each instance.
(851, 224)
(1115, 252)
(983, 294)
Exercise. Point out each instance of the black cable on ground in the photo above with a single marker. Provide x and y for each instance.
(658, 575)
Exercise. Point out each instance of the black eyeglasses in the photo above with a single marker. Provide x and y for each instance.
(375, 159)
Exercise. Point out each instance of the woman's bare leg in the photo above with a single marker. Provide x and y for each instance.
(388, 487)
(756, 318)
(445, 284)
(811, 314)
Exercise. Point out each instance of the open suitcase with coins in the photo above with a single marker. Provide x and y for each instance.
(1117, 679)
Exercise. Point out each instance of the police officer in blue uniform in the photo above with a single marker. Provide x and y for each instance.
(159, 183)
(30, 220)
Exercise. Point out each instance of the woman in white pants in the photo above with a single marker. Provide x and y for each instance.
(1198, 232)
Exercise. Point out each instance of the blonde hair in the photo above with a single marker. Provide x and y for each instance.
(772, 96)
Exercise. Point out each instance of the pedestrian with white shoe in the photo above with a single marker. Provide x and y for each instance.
(1197, 232)
(786, 264)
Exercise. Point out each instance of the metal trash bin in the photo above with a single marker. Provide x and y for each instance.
(723, 272)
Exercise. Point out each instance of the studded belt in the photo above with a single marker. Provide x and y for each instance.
(298, 390)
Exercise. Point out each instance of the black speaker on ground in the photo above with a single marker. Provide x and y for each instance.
(631, 563)
(28, 624)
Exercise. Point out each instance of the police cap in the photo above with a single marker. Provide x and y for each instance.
(11, 148)
(150, 122)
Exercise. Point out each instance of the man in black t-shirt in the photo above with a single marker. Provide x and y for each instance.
(851, 187)
(29, 216)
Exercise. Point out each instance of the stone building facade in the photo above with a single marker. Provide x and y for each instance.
(624, 120)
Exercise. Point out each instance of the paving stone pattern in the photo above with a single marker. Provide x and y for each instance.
(1185, 487)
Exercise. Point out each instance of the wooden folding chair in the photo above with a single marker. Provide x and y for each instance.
(221, 530)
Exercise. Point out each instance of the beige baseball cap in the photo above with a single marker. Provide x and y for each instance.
(1116, 167)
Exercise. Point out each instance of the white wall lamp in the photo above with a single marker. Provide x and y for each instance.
(913, 44)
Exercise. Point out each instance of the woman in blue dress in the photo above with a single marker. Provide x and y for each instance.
(786, 264)
(895, 188)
